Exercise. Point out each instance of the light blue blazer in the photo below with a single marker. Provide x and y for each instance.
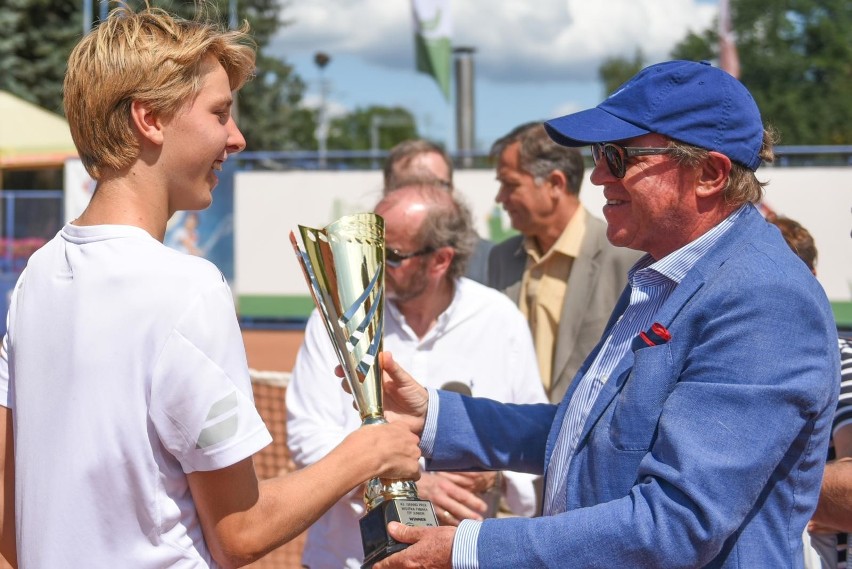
(706, 451)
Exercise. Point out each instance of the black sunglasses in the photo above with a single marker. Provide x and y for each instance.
(394, 258)
(616, 156)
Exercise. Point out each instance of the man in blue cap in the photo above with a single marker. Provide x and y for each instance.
(694, 434)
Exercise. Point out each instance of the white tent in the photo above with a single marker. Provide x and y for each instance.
(32, 137)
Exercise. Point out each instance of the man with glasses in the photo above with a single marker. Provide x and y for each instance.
(417, 161)
(695, 433)
(420, 161)
(561, 270)
(457, 334)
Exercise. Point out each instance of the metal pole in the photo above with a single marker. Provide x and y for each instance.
(322, 128)
(374, 139)
(321, 59)
(232, 14)
(87, 16)
(465, 137)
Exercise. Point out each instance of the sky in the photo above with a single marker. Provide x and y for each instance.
(534, 59)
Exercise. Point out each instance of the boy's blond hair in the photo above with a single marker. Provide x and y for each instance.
(151, 57)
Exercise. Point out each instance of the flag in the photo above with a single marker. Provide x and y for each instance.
(729, 60)
(432, 29)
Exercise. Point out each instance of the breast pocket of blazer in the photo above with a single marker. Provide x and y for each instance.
(638, 405)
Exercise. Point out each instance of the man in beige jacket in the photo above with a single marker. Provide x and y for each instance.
(561, 270)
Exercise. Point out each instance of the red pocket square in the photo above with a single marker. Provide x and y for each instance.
(658, 334)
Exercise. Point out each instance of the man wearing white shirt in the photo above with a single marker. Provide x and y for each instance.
(446, 327)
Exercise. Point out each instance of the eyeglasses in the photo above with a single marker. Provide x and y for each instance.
(394, 258)
(616, 156)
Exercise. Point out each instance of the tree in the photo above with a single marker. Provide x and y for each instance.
(796, 59)
(356, 130)
(268, 107)
(614, 71)
(270, 112)
(36, 37)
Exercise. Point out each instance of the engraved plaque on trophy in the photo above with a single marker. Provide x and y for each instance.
(344, 264)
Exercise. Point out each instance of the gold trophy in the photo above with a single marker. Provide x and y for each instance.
(344, 264)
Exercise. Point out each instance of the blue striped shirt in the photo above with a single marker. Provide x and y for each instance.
(651, 284)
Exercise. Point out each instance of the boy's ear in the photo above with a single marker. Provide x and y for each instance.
(146, 122)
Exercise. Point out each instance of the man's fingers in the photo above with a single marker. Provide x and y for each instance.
(466, 499)
(389, 365)
(429, 547)
(405, 534)
(450, 511)
(395, 371)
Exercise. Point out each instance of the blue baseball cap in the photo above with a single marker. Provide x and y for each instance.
(688, 101)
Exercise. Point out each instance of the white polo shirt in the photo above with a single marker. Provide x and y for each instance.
(125, 368)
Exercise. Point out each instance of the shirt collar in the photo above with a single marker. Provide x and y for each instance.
(569, 240)
(441, 321)
(677, 264)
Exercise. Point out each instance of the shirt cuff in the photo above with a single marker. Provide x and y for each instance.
(430, 428)
(464, 545)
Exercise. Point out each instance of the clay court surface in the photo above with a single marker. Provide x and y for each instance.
(274, 351)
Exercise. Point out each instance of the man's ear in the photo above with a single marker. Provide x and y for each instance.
(442, 258)
(558, 182)
(147, 122)
(713, 175)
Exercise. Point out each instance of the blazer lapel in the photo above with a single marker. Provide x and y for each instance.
(668, 312)
(665, 316)
(581, 283)
(620, 307)
(506, 265)
(515, 265)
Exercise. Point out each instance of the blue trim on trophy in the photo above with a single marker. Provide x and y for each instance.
(350, 312)
(371, 313)
(373, 350)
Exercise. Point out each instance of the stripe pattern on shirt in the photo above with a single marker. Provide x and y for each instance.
(651, 284)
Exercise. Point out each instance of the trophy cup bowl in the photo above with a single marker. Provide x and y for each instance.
(344, 265)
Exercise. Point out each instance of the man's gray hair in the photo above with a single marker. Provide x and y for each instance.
(396, 168)
(448, 223)
(539, 155)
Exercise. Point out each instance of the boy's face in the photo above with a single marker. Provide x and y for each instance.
(198, 139)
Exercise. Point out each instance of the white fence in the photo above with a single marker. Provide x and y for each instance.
(270, 204)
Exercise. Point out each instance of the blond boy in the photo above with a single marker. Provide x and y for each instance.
(123, 377)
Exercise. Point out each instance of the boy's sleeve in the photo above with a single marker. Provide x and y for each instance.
(201, 399)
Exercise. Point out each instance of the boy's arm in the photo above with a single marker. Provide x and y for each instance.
(244, 519)
(7, 471)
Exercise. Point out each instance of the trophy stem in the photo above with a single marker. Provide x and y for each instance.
(373, 420)
(379, 490)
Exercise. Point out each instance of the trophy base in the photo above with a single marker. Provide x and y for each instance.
(374, 526)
